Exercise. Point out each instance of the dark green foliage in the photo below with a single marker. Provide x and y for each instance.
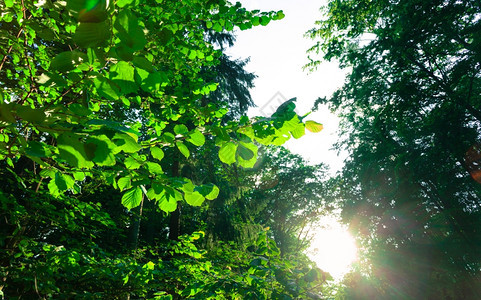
(411, 112)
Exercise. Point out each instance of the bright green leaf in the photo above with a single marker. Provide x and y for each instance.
(132, 198)
(227, 153)
(157, 153)
(180, 129)
(183, 148)
(196, 137)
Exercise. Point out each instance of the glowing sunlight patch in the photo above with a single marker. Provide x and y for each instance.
(332, 248)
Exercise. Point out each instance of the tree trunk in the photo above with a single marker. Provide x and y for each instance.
(135, 228)
(174, 223)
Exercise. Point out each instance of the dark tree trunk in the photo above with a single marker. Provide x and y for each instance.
(174, 223)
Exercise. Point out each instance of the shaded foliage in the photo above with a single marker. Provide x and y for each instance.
(411, 122)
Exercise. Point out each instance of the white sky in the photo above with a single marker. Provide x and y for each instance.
(278, 52)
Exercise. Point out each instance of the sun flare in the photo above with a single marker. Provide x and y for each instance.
(333, 248)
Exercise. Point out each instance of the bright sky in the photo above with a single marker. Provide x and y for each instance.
(278, 52)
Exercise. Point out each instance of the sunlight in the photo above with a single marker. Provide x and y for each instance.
(332, 248)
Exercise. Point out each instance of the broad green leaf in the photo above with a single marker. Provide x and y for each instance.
(183, 148)
(194, 199)
(313, 126)
(129, 30)
(264, 20)
(180, 129)
(106, 88)
(167, 204)
(123, 52)
(31, 115)
(196, 138)
(122, 74)
(36, 149)
(72, 151)
(124, 183)
(213, 194)
(100, 150)
(67, 61)
(47, 173)
(122, 3)
(154, 168)
(131, 163)
(299, 131)
(60, 183)
(79, 176)
(154, 82)
(168, 137)
(244, 152)
(209, 191)
(132, 198)
(143, 63)
(157, 153)
(89, 35)
(227, 153)
(248, 158)
(126, 143)
(188, 186)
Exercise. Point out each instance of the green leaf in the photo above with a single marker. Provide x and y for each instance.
(264, 20)
(106, 88)
(72, 151)
(180, 129)
(196, 138)
(280, 15)
(313, 126)
(244, 152)
(36, 149)
(126, 143)
(154, 168)
(213, 194)
(248, 157)
(194, 199)
(157, 153)
(79, 176)
(122, 3)
(124, 183)
(143, 63)
(122, 74)
(31, 115)
(299, 131)
(90, 35)
(227, 153)
(209, 191)
(100, 150)
(131, 163)
(132, 198)
(67, 61)
(167, 204)
(154, 82)
(129, 30)
(183, 149)
(60, 183)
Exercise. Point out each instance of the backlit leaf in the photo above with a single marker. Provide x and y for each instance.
(132, 198)
(183, 149)
(313, 126)
(196, 137)
(227, 153)
(157, 153)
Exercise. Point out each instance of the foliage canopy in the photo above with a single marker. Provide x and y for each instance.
(411, 112)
